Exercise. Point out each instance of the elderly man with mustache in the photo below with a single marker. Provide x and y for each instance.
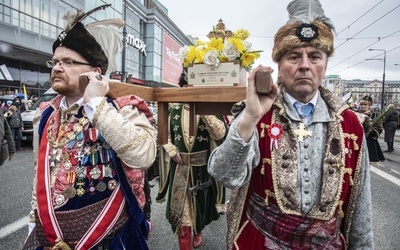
(296, 158)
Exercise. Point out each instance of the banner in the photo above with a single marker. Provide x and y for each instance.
(171, 63)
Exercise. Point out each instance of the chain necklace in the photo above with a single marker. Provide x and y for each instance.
(63, 127)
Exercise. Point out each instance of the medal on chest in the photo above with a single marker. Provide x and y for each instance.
(301, 132)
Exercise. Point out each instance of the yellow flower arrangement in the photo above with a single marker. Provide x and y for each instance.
(223, 46)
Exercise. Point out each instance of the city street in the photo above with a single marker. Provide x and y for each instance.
(15, 188)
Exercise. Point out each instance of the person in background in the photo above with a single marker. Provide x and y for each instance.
(374, 148)
(193, 195)
(29, 104)
(33, 98)
(8, 105)
(20, 104)
(390, 122)
(91, 150)
(14, 119)
(7, 147)
(296, 158)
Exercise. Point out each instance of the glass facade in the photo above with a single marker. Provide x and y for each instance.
(134, 59)
(154, 56)
(35, 24)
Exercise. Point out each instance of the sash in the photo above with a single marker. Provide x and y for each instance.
(293, 231)
(179, 185)
(100, 227)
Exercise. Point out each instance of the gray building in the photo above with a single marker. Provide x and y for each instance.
(29, 27)
(360, 88)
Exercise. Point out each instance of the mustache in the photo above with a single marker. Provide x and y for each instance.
(53, 76)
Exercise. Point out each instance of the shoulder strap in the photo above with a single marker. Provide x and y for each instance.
(45, 116)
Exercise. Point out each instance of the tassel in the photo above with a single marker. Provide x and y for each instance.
(268, 194)
(262, 126)
(263, 166)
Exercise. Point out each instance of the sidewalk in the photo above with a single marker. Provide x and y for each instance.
(396, 136)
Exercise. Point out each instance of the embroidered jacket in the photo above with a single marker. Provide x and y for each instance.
(87, 152)
(338, 187)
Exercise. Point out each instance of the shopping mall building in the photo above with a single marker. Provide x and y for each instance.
(28, 29)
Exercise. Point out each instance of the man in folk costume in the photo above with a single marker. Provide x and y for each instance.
(296, 158)
(91, 149)
(194, 197)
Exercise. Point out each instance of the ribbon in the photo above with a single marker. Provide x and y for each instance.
(275, 131)
(100, 227)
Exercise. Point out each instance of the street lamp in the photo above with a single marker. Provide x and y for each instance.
(383, 78)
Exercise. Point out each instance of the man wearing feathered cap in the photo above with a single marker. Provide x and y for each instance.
(91, 149)
(296, 158)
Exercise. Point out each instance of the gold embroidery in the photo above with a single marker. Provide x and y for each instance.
(268, 194)
(349, 171)
(340, 210)
(352, 137)
(239, 233)
(98, 111)
(136, 140)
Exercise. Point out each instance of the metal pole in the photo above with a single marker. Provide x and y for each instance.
(123, 77)
(383, 81)
(383, 77)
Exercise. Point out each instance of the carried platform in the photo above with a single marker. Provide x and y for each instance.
(202, 101)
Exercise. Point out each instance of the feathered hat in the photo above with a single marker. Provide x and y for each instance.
(307, 26)
(368, 99)
(98, 42)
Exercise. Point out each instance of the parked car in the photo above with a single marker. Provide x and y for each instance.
(27, 116)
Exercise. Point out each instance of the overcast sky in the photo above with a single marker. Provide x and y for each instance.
(360, 25)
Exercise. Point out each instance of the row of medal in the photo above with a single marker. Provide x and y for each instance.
(104, 175)
(85, 163)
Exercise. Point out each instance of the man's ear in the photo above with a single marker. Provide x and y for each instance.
(98, 70)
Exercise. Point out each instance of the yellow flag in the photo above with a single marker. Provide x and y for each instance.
(25, 96)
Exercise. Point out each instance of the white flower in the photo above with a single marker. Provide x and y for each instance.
(248, 45)
(230, 51)
(183, 51)
(211, 58)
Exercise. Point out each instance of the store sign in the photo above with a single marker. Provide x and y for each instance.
(171, 63)
(136, 42)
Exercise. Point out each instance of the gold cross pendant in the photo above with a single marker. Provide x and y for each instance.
(301, 132)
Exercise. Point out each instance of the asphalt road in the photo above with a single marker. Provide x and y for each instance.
(16, 181)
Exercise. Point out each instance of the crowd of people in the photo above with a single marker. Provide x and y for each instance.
(296, 158)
